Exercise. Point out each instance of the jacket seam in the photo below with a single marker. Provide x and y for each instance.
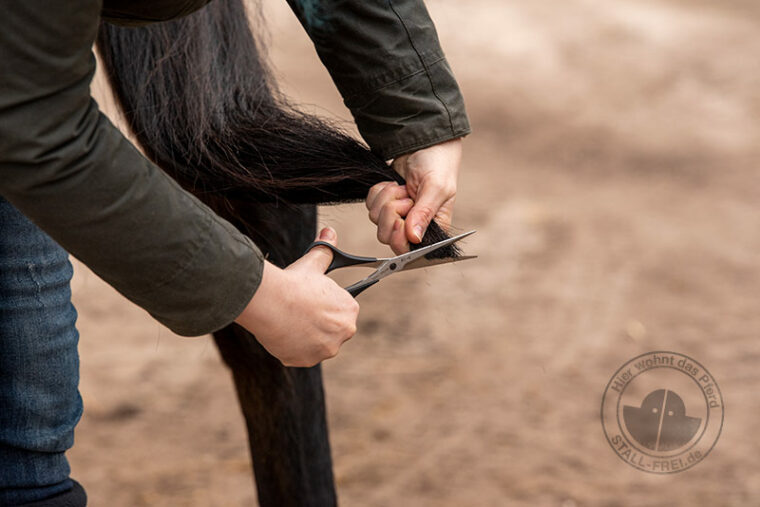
(205, 238)
(358, 91)
(396, 151)
(396, 80)
(424, 65)
(211, 219)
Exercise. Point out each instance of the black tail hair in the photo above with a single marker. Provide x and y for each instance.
(199, 96)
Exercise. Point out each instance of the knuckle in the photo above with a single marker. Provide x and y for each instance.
(382, 235)
(374, 191)
(329, 350)
(388, 192)
(377, 187)
(389, 186)
(387, 208)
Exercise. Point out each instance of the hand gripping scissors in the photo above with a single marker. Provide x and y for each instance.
(386, 266)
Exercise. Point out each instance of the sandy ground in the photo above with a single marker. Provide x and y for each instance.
(613, 179)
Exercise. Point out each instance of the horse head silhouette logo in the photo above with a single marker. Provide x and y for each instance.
(644, 412)
(661, 423)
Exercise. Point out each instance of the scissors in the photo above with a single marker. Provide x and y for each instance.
(386, 266)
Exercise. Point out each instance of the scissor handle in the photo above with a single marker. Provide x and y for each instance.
(359, 287)
(341, 259)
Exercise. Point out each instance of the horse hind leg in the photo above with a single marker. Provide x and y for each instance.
(284, 408)
(285, 417)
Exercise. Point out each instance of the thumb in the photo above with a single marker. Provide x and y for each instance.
(319, 257)
(429, 200)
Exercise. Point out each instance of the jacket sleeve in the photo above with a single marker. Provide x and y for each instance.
(131, 13)
(385, 59)
(65, 166)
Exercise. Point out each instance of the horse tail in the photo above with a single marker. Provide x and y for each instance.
(199, 96)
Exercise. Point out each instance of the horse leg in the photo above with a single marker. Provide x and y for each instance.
(284, 408)
(285, 417)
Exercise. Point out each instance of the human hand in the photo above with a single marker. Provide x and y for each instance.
(298, 314)
(403, 212)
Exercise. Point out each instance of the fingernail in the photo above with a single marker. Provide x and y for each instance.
(327, 234)
(418, 232)
(397, 225)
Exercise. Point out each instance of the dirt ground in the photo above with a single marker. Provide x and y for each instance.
(613, 179)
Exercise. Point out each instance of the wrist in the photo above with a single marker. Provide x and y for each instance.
(271, 279)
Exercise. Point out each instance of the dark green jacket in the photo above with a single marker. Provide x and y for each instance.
(65, 166)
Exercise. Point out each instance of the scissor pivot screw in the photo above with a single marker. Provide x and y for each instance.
(392, 266)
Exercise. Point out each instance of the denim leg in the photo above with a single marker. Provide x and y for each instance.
(39, 364)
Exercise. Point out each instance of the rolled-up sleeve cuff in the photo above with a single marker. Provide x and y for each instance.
(417, 110)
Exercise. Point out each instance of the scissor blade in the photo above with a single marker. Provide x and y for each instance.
(399, 263)
(426, 263)
(421, 252)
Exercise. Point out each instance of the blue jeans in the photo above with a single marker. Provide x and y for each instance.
(39, 364)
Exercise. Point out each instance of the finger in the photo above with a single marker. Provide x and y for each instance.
(388, 215)
(319, 257)
(398, 242)
(389, 193)
(374, 191)
(430, 197)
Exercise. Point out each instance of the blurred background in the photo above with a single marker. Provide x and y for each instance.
(613, 177)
